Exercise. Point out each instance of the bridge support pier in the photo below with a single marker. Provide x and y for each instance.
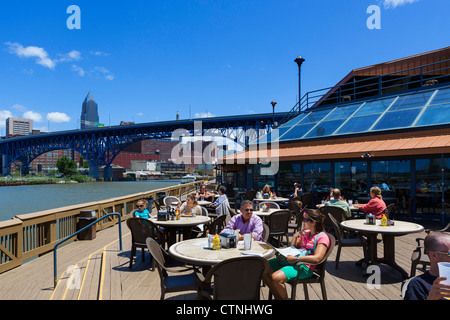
(93, 172)
(107, 173)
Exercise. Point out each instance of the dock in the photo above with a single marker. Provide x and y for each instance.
(98, 270)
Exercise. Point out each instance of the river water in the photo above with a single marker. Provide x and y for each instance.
(16, 200)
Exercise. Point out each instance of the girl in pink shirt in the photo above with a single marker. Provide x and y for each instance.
(311, 238)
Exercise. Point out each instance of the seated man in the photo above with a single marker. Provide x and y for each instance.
(246, 222)
(428, 286)
(339, 203)
(221, 205)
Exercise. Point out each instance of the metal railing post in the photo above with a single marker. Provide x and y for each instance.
(82, 229)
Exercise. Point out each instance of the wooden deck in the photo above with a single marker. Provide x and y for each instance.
(100, 272)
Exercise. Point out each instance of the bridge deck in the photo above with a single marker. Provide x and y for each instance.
(104, 274)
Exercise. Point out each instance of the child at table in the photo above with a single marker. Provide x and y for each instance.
(141, 211)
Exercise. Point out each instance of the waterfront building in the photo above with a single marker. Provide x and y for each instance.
(89, 112)
(18, 127)
(386, 125)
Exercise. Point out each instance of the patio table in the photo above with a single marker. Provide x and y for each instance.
(185, 222)
(388, 234)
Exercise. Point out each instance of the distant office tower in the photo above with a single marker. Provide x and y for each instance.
(89, 112)
(18, 126)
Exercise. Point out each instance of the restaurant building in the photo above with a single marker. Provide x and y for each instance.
(387, 125)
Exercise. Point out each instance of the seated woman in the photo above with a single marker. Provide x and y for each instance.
(376, 205)
(266, 193)
(312, 238)
(190, 206)
(141, 211)
(203, 193)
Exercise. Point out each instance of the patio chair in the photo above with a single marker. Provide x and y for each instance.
(171, 201)
(265, 233)
(296, 212)
(233, 279)
(271, 204)
(360, 241)
(308, 200)
(141, 229)
(250, 195)
(419, 257)
(317, 277)
(337, 212)
(218, 223)
(278, 223)
(171, 283)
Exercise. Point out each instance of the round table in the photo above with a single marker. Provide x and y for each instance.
(277, 199)
(197, 252)
(185, 222)
(388, 234)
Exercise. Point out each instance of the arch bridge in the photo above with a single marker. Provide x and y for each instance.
(99, 146)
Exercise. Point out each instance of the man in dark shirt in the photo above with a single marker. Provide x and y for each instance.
(428, 286)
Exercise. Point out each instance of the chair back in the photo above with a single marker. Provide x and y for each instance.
(271, 204)
(279, 222)
(141, 229)
(218, 223)
(250, 195)
(308, 199)
(171, 201)
(336, 226)
(320, 268)
(389, 209)
(294, 206)
(155, 250)
(337, 212)
(238, 278)
(265, 233)
(204, 211)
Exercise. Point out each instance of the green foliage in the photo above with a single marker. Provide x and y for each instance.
(67, 167)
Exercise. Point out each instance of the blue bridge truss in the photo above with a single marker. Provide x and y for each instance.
(100, 146)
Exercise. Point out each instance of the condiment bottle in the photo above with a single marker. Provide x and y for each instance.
(384, 220)
(216, 242)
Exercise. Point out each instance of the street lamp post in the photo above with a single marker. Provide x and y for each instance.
(299, 60)
(273, 103)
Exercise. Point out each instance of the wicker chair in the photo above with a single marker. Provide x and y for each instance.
(234, 279)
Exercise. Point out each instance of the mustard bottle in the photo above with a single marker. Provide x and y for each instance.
(216, 242)
(384, 220)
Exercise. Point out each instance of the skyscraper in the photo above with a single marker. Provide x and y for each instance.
(18, 126)
(89, 112)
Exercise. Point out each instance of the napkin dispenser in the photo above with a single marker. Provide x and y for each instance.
(228, 240)
(370, 219)
(163, 216)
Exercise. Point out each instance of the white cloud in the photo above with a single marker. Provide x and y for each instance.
(58, 117)
(79, 70)
(33, 116)
(100, 53)
(140, 114)
(396, 3)
(103, 72)
(73, 55)
(203, 115)
(32, 52)
(4, 114)
(19, 107)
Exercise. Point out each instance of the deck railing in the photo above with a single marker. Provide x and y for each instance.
(29, 235)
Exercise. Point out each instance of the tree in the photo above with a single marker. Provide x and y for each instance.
(67, 167)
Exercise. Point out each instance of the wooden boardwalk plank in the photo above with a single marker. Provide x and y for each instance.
(105, 267)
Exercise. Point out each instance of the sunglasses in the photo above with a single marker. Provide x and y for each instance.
(308, 220)
(140, 206)
(248, 210)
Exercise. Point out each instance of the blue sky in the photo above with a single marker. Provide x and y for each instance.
(144, 60)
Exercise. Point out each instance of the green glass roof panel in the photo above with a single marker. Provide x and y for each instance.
(325, 128)
(397, 119)
(315, 116)
(442, 96)
(343, 112)
(297, 132)
(412, 101)
(374, 107)
(358, 124)
(434, 115)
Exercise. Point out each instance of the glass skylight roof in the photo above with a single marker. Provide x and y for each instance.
(410, 110)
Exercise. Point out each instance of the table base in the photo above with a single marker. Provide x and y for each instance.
(389, 254)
